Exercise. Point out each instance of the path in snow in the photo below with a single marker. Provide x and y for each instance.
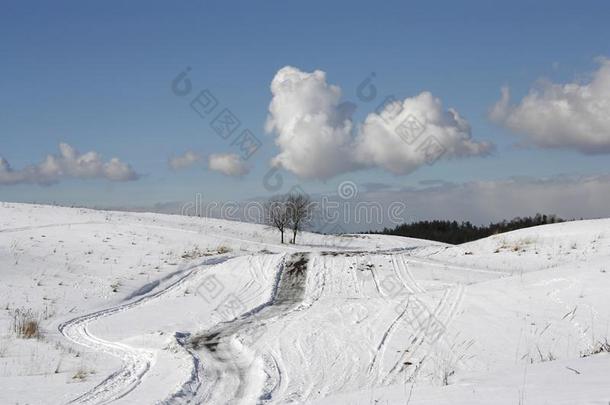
(350, 325)
(136, 362)
(227, 367)
(235, 373)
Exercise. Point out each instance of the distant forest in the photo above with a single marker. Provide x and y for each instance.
(459, 232)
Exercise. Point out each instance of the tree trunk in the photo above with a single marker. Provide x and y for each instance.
(282, 233)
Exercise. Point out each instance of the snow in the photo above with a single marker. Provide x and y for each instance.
(151, 308)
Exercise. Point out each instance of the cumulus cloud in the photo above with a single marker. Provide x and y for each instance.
(318, 138)
(573, 115)
(408, 134)
(69, 163)
(313, 130)
(229, 164)
(189, 158)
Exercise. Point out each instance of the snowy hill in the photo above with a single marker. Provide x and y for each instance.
(151, 308)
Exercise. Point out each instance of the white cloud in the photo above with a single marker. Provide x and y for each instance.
(116, 170)
(408, 134)
(69, 163)
(183, 161)
(317, 137)
(313, 131)
(573, 115)
(229, 164)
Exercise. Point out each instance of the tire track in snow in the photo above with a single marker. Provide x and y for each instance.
(399, 267)
(448, 266)
(428, 331)
(191, 391)
(402, 264)
(276, 383)
(236, 373)
(136, 362)
(35, 227)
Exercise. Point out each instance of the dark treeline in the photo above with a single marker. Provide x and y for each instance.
(459, 232)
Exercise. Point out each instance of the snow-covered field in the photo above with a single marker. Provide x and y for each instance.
(149, 308)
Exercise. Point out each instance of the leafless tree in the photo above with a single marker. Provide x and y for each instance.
(276, 214)
(300, 209)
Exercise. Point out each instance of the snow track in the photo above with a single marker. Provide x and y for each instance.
(227, 365)
(236, 372)
(136, 361)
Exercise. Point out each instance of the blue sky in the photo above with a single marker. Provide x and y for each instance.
(98, 77)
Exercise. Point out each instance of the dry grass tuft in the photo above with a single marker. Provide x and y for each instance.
(25, 323)
(223, 249)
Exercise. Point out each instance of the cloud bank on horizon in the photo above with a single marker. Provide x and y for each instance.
(69, 163)
(570, 116)
(480, 201)
(318, 138)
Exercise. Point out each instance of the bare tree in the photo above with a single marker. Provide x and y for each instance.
(277, 214)
(299, 208)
